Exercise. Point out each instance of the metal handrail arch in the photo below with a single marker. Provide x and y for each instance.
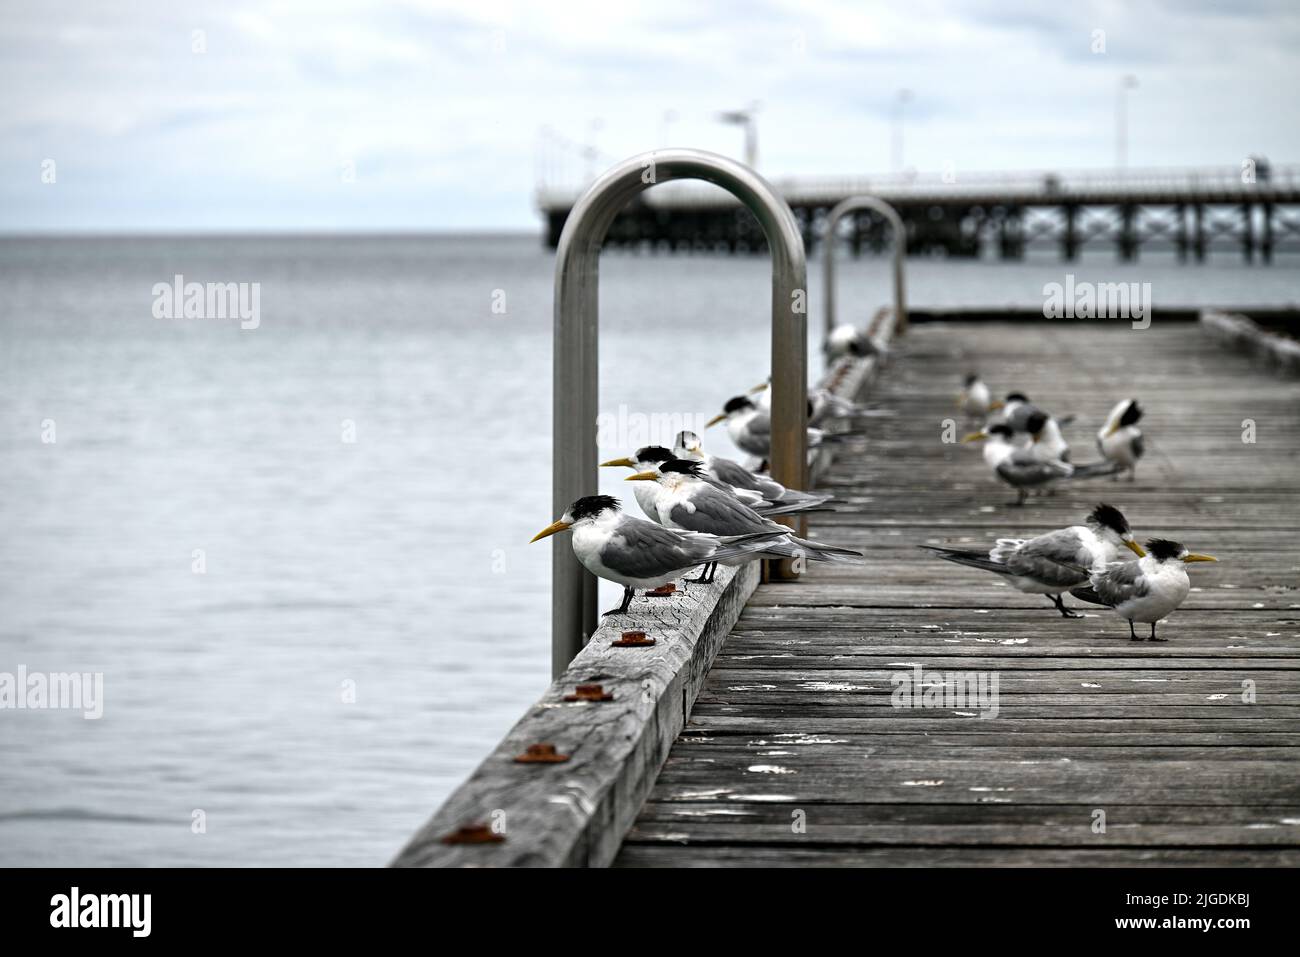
(574, 471)
(853, 204)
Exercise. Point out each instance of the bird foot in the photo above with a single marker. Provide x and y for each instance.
(1066, 613)
(1136, 638)
(1154, 638)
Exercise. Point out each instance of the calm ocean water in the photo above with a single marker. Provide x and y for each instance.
(369, 619)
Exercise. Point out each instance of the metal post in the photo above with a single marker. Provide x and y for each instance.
(577, 259)
(895, 221)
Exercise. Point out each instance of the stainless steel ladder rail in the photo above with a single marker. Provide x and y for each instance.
(853, 204)
(574, 387)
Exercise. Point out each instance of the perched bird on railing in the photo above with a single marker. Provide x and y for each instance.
(848, 340)
(1054, 562)
(1120, 440)
(823, 404)
(750, 428)
(648, 494)
(783, 500)
(640, 554)
(691, 504)
(1017, 463)
(1145, 590)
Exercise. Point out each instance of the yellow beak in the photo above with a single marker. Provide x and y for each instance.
(758, 388)
(994, 406)
(974, 437)
(1199, 558)
(624, 463)
(549, 530)
(642, 477)
(1112, 430)
(715, 420)
(1135, 548)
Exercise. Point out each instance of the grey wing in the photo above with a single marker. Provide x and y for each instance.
(733, 473)
(644, 549)
(1120, 581)
(1053, 559)
(1021, 468)
(719, 514)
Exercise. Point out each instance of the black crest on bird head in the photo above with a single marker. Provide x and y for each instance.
(1034, 424)
(653, 453)
(1108, 516)
(589, 506)
(1163, 549)
(1001, 429)
(1017, 397)
(682, 466)
(737, 404)
(1131, 414)
(971, 380)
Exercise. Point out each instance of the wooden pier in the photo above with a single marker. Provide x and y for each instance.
(775, 740)
(1247, 211)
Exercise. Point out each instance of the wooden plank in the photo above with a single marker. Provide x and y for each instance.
(797, 716)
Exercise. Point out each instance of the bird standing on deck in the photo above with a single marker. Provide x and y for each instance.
(1120, 440)
(1016, 462)
(1017, 411)
(1146, 590)
(1054, 562)
(975, 399)
(640, 554)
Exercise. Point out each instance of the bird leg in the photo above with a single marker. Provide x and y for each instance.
(1153, 633)
(704, 577)
(1131, 633)
(1020, 499)
(1060, 606)
(627, 600)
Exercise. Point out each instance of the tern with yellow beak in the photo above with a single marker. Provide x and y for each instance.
(1120, 440)
(782, 500)
(750, 428)
(691, 504)
(650, 457)
(1146, 590)
(975, 399)
(1014, 460)
(1054, 562)
(640, 554)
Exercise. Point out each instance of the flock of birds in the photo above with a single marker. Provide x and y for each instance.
(704, 510)
(1024, 446)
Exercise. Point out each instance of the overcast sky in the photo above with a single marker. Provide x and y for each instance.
(320, 114)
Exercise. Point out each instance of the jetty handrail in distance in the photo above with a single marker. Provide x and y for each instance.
(575, 365)
(853, 204)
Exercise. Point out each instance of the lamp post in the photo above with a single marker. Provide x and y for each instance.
(1126, 83)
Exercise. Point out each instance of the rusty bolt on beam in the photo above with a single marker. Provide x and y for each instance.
(541, 754)
(589, 693)
(473, 834)
(663, 591)
(632, 639)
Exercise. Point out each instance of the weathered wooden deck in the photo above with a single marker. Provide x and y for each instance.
(795, 726)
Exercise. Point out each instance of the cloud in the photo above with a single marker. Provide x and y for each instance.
(436, 107)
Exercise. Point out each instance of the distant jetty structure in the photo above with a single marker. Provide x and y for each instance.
(1251, 210)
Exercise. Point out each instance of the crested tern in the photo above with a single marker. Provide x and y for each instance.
(1120, 440)
(691, 504)
(1056, 561)
(1020, 466)
(1145, 590)
(750, 428)
(640, 554)
(975, 399)
(688, 446)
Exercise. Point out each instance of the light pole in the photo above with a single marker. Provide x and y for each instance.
(748, 120)
(1127, 82)
(666, 119)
